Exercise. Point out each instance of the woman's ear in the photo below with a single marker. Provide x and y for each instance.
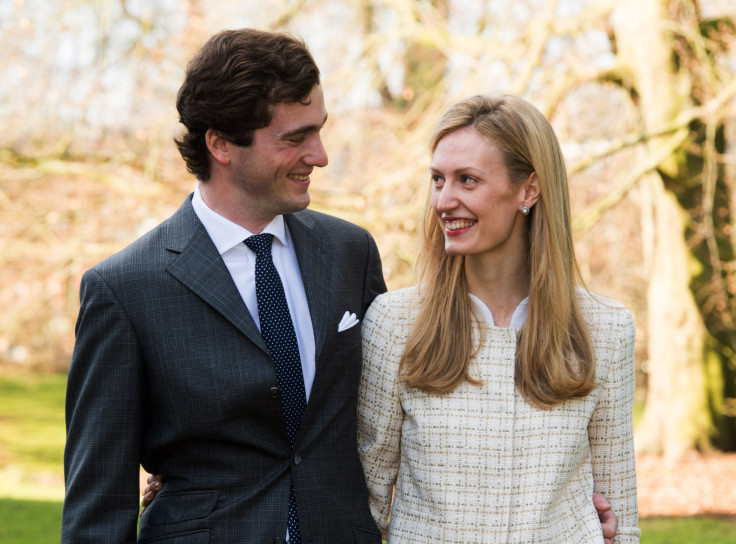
(218, 146)
(531, 190)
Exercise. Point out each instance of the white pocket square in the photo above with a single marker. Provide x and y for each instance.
(348, 320)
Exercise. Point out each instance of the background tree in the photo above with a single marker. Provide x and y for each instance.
(669, 62)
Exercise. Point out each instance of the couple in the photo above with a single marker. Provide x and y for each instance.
(493, 400)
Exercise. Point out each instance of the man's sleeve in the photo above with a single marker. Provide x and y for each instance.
(104, 406)
(374, 282)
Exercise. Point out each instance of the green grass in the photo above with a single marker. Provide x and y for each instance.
(697, 530)
(32, 436)
(29, 522)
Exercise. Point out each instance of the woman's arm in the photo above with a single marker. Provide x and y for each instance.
(380, 415)
(611, 432)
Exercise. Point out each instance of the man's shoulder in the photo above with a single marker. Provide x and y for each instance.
(330, 223)
(149, 248)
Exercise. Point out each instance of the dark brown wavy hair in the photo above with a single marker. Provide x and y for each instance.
(231, 85)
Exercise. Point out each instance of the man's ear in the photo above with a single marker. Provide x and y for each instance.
(531, 190)
(218, 146)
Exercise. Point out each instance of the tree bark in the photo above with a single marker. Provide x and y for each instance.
(677, 417)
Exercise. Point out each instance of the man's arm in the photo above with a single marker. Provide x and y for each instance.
(374, 282)
(103, 418)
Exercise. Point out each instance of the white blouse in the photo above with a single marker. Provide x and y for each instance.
(483, 313)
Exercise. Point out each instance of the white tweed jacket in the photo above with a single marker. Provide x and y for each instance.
(482, 465)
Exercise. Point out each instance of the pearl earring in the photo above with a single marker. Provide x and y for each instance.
(524, 210)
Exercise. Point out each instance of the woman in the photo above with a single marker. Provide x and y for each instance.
(497, 395)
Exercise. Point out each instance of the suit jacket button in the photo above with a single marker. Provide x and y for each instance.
(279, 541)
(297, 459)
(274, 392)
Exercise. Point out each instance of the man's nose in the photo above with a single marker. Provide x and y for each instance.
(317, 155)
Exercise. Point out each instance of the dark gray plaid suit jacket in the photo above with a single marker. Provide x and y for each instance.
(169, 371)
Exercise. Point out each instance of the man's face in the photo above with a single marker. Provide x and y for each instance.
(272, 174)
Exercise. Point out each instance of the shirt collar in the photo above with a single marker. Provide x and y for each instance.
(483, 313)
(224, 233)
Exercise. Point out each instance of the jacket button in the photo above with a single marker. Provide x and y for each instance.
(274, 392)
(279, 541)
(297, 459)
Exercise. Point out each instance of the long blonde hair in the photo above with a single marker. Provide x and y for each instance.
(554, 357)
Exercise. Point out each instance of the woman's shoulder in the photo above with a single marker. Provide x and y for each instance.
(397, 306)
(397, 299)
(600, 310)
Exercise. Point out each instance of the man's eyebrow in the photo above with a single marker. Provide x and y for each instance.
(304, 130)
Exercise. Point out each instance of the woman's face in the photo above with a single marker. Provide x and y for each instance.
(475, 201)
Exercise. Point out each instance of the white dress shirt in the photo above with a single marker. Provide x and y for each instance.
(240, 260)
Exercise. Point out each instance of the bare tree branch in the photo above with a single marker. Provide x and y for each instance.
(713, 109)
(585, 220)
(290, 11)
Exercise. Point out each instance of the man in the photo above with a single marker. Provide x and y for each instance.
(170, 370)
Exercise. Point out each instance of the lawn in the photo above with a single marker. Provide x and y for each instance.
(31, 472)
(32, 436)
(698, 530)
(30, 522)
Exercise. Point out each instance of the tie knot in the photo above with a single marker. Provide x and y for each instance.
(260, 243)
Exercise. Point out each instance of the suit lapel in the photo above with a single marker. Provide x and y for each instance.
(313, 257)
(200, 267)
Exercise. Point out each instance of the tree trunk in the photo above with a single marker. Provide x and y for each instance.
(677, 417)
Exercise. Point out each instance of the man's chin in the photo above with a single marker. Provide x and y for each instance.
(300, 204)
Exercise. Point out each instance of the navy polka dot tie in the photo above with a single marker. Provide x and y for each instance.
(278, 333)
